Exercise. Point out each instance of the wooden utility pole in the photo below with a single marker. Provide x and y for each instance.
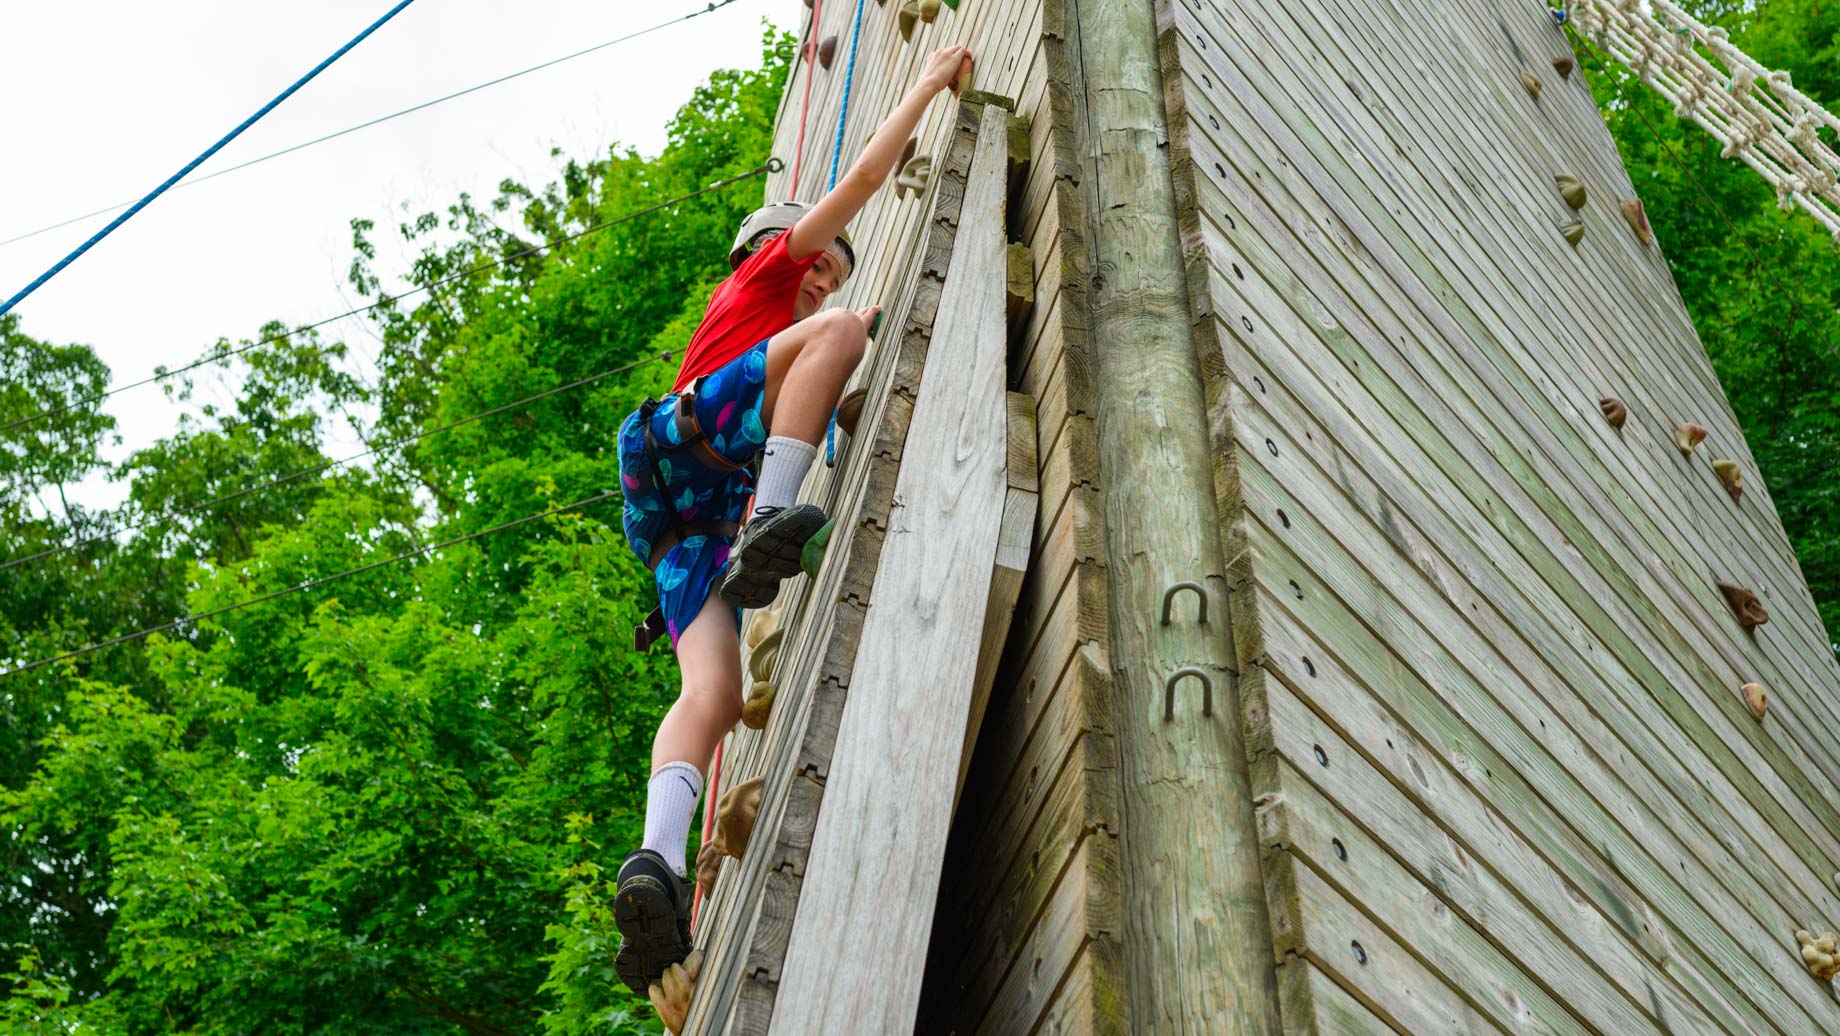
(1197, 938)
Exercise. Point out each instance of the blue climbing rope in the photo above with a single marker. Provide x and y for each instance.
(849, 77)
(843, 113)
(212, 150)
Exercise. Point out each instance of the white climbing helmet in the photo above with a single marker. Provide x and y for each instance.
(765, 223)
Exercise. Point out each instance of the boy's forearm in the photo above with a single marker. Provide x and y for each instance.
(879, 156)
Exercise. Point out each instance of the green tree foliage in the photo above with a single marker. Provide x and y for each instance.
(392, 803)
(1762, 284)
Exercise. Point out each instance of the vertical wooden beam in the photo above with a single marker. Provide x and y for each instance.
(853, 963)
(1197, 938)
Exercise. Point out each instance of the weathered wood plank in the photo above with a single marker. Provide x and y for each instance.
(879, 838)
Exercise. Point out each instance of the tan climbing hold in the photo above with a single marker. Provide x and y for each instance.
(759, 705)
(765, 655)
(1573, 232)
(850, 408)
(1744, 604)
(763, 623)
(1638, 220)
(708, 866)
(907, 155)
(1614, 411)
(963, 82)
(916, 174)
(1689, 435)
(1571, 190)
(929, 10)
(1821, 954)
(1563, 66)
(1732, 476)
(906, 17)
(735, 817)
(1532, 83)
(670, 995)
(1757, 698)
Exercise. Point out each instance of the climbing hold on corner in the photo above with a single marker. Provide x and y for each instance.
(850, 408)
(1532, 82)
(1732, 476)
(1757, 698)
(759, 705)
(1571, 190)
(764, 655)
(1573, 232)
(826, 51)
(1638, 220)
(708, 865)
(916, 174)
(929, 10)
(1563, 66)
(811, 556)
(1614, 411)
(963, 82)
(1749, 611)
(1689, 435)
(735, 817)
(1822, 954)
(763, 623)
(670, 995)
(906, 17)
(900, 189)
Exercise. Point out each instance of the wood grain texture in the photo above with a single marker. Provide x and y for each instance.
(866, 905)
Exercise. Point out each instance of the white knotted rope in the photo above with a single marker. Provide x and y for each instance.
(1756, 114)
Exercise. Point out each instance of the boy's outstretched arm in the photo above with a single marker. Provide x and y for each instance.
(815, 230)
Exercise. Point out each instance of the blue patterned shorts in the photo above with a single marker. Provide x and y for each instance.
(728, 402)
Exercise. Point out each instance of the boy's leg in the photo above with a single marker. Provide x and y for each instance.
(808, 365)
(652, 906)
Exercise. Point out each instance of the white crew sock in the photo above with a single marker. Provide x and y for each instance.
(670, 800)
(782, 471)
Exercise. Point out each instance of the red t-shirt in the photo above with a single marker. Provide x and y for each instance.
(753, 304)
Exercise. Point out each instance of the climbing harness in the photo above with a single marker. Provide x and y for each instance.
(690, 438)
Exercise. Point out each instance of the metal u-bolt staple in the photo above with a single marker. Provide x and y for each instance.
(1169, 691)
(1169, 599)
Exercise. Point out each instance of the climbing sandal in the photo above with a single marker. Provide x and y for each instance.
(768, 552)
(652, 910)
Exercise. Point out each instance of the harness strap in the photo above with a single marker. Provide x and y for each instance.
(692, 438)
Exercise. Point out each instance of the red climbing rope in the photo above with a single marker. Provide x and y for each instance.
(811, 38)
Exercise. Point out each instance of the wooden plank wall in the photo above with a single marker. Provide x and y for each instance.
(1506, 779)
(902, 257)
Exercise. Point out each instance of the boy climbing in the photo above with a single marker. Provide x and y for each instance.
(761, 375)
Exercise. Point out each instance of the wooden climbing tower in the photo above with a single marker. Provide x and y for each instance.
(1245, 615)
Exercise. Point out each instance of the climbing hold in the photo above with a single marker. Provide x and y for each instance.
(763, 623)
(735, 817)
(964, 80)
(759, 705)
(916, 174)
(1573, 232)
(826, 51)
(1563, 66)
(811, 556)
(1614, 411)
(906, 17)
(907, 155)
(765, 654)
(1533, 84)
(1732, 476)
(929, 10)
(1822, 955)
(1744, 604)
(875, 325)
(708, 865)
(670, 995)
(849, 409)
(1638, 220)
(1689, 435)
(1571, 190)
(1757, 698)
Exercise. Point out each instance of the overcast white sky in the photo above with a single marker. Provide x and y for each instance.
(105, 99)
